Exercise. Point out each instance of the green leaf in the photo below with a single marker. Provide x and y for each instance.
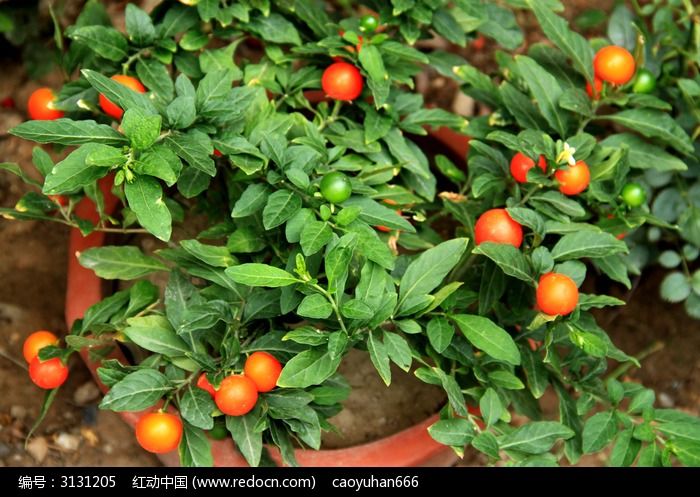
(687, 452)
(337, 262)
(685, 434)
(156, 77)
(536, 437)
(220, 59)
(122, 262)
(159, 162)
(590, 343)
(46, 404)
(124, 97)
(245, 240)
(642, 400)
(587, 244)
(7, 24)
(546, 90)
(280, 207)
(142, 294)
(625, 450)
(211, 255)
(42, 161)
(621, 28)
(587, 302)
(654, 124)
(447, 27)
(356, 309)
(521, 107)
(535, 373)
(181, 112)
(194, 148)
(599, 431)
(615, 268)
(195, 450)
(379, 357)
(310, 367)
(575, 46)
(675, 287)
(315, 236)
(491, 407)
(307, 335)
(276, 29)
(145, 196)
(440, 333)
(105, 41)
(154, 333)
(508, 258)
(562, 204)
(487, 443)
(375, 214)
(450, 170)
(453, 391)
(137, 391)
(641, 154)
(192, 182)
(491, 287)
(139, 26)
(253, 199)
(650, 456)
(428, 270)
(576, 100)
(529, 218)
(73, 172)
(66, 131)
(177, 19)
(398, 350)
(196, 407)
(378, 77)
(376, 125)
(248, 439)
(105, 156)
(484, 334)
(505, 379)
(454, 432)
(315, 306)
(103, 311)
(254, 274)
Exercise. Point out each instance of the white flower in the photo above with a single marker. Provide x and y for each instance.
(567, 155)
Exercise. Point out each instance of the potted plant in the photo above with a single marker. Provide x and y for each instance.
(323, 230)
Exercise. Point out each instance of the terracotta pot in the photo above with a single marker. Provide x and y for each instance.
(410, 447)
(456, 142)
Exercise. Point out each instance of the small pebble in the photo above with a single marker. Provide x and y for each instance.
(463, 104)
(5, 449)
(18, 412)
(665, 400)
(86, 393)
(68, 442)
(38, 448)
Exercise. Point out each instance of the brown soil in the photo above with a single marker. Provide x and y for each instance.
(374, 410)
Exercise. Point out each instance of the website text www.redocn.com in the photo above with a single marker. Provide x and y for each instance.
(253, 482)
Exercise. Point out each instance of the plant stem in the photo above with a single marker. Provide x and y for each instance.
(127, 64)
(334, 305)
(530, 194)
(623, 368)
(333, 117)
(14, 361)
